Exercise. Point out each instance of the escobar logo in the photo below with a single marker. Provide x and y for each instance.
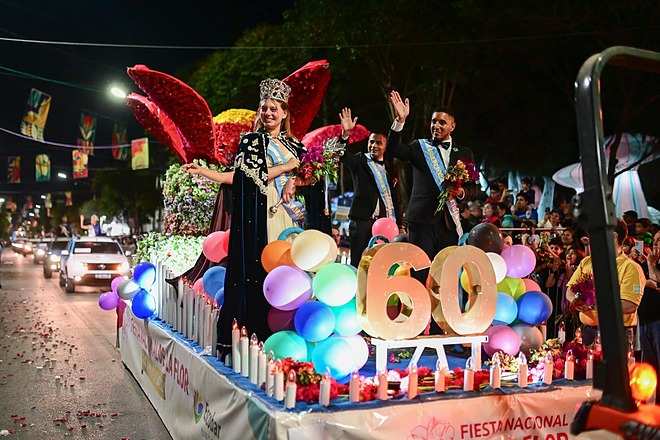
(201, 411)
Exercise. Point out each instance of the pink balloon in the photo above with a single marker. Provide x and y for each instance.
(531, 285)
(198, 287)
(116, 281)
(520, 260)
(108, 300)
(502, 338)
(386, 227)
(215, 246)
(280, 319)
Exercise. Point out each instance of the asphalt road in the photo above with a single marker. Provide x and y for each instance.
(61, 374)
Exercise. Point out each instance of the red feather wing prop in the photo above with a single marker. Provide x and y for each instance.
(184, 107)
(317, 137)
(308, 86)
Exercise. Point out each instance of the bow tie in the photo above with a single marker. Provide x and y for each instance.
(444, 144)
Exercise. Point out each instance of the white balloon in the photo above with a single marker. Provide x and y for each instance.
(359, 348)
(499, 265)
(127, 289)
(310, 249)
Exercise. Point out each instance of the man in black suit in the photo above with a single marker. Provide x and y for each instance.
(373, 188)
(430, 228)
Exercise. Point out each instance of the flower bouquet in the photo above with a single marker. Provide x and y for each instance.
(585, 293)
(455, 177)
(321, 161)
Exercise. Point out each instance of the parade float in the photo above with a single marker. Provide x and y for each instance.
(351, 354)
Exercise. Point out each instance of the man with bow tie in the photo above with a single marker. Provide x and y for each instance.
(430, 228)
(373, 188)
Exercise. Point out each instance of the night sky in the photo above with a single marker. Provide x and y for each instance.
(129, 22)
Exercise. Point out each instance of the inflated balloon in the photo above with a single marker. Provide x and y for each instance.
(530, 337)
(534, 308)
(330, 257)
(286, 344)
(143, 305)
(310, 249)
(335, 356)
(216, 246)
(214, 279)
(127, 289)
(314, 321)
(310, 350)
(385, 226)
(512, 286)
(520, 260)
(359, 348)
(531, 285)
(499, 266)
(589, 317)
(290, 233)
(144, 275)
(347, 322)
(466, 284)
(272, 254)
(335, 284)
(219, 297)
(506, 310)
(280, 319)
(486, 237)
(286, 287)
(108, 300)
(114, 284)
(198, 287)
(502, 338)
(401, 238)
(377, 239)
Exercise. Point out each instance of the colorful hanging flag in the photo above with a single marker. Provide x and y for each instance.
(68, 198)
(79, 164)
(42, 168)
(87, 133)
(119, 137)
(34, 121)
(14, 169)
(140, 153)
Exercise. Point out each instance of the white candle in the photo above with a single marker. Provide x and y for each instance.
(228, 360)
(235, 355)
(262, 367)
(569, 366)
(270, 378)
(291, 389)
(245, 353)
(440, 380)
(354, 387)
(278, 387)
(468, 376)
(548, 369)
(412, 381)
(561, 333)
(495, 372)
(382, 385)
(523, 370)
(590, 366)
(254, 359)
(324, 390)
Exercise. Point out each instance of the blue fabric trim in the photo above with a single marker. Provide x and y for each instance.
(380, 177)
(434, 162)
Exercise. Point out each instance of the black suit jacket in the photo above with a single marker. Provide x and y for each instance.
(424, 196)
(365, 190)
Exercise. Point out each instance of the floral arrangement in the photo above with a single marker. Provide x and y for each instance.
(188, 200)
(177, 252)
(558, 353)
(229, 125)
(455, 177)
(585, 292)
(308, 381)
(321, 161)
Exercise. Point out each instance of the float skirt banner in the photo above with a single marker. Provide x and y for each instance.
(80, 159)
(140, 153)
(86, 133)
(14, 169)
(119, 137)
(34, 121)
(42, 168)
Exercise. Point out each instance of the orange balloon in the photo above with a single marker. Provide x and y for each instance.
(286, 260)
(271, 256)
(531, 285)
(589, 317)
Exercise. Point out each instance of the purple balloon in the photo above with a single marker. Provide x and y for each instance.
(520, 260)
(116, 281)
(287, 288)
(108, 300)
(502, 338)
(280, 319)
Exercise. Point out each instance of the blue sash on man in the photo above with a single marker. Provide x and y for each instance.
(380, 177)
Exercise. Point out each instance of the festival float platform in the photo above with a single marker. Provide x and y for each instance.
(197, 396)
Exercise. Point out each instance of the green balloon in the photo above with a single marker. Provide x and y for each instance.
(512, 286)
(335, 284)
(286, 344)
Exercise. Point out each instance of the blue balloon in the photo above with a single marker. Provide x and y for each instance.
(506, 309)
(220, 297)
(143, 305)
(144, 275)
(289, 231)
(314, 321)
(214, 279)
(534, 308)
(335, 356)
(347, 322)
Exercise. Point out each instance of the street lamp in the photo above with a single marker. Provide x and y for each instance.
(117, 92)
(61, 175)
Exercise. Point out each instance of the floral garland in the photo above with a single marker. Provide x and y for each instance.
(177, 252)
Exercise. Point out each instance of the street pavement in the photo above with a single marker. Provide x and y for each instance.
(61, 375)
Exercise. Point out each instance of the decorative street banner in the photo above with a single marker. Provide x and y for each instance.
(34, 121)
(140, 153)
(87, 133)
(14, 169)
(68, 198)
(42, 168)
(119, 137)
(79, 164)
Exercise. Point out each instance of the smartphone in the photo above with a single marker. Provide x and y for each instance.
(639, 246)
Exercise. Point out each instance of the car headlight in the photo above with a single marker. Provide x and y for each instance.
(124, 267)
(54, 258)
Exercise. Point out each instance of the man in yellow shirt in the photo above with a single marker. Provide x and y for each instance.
(631, 285)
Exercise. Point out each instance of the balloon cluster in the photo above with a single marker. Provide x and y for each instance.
(313, 312)
(521, 306)
(216, 246)
(137, 289)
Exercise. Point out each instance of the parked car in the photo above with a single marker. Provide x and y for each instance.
(54, 253)
(92, 261)
(19, 245)
(39, 251)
